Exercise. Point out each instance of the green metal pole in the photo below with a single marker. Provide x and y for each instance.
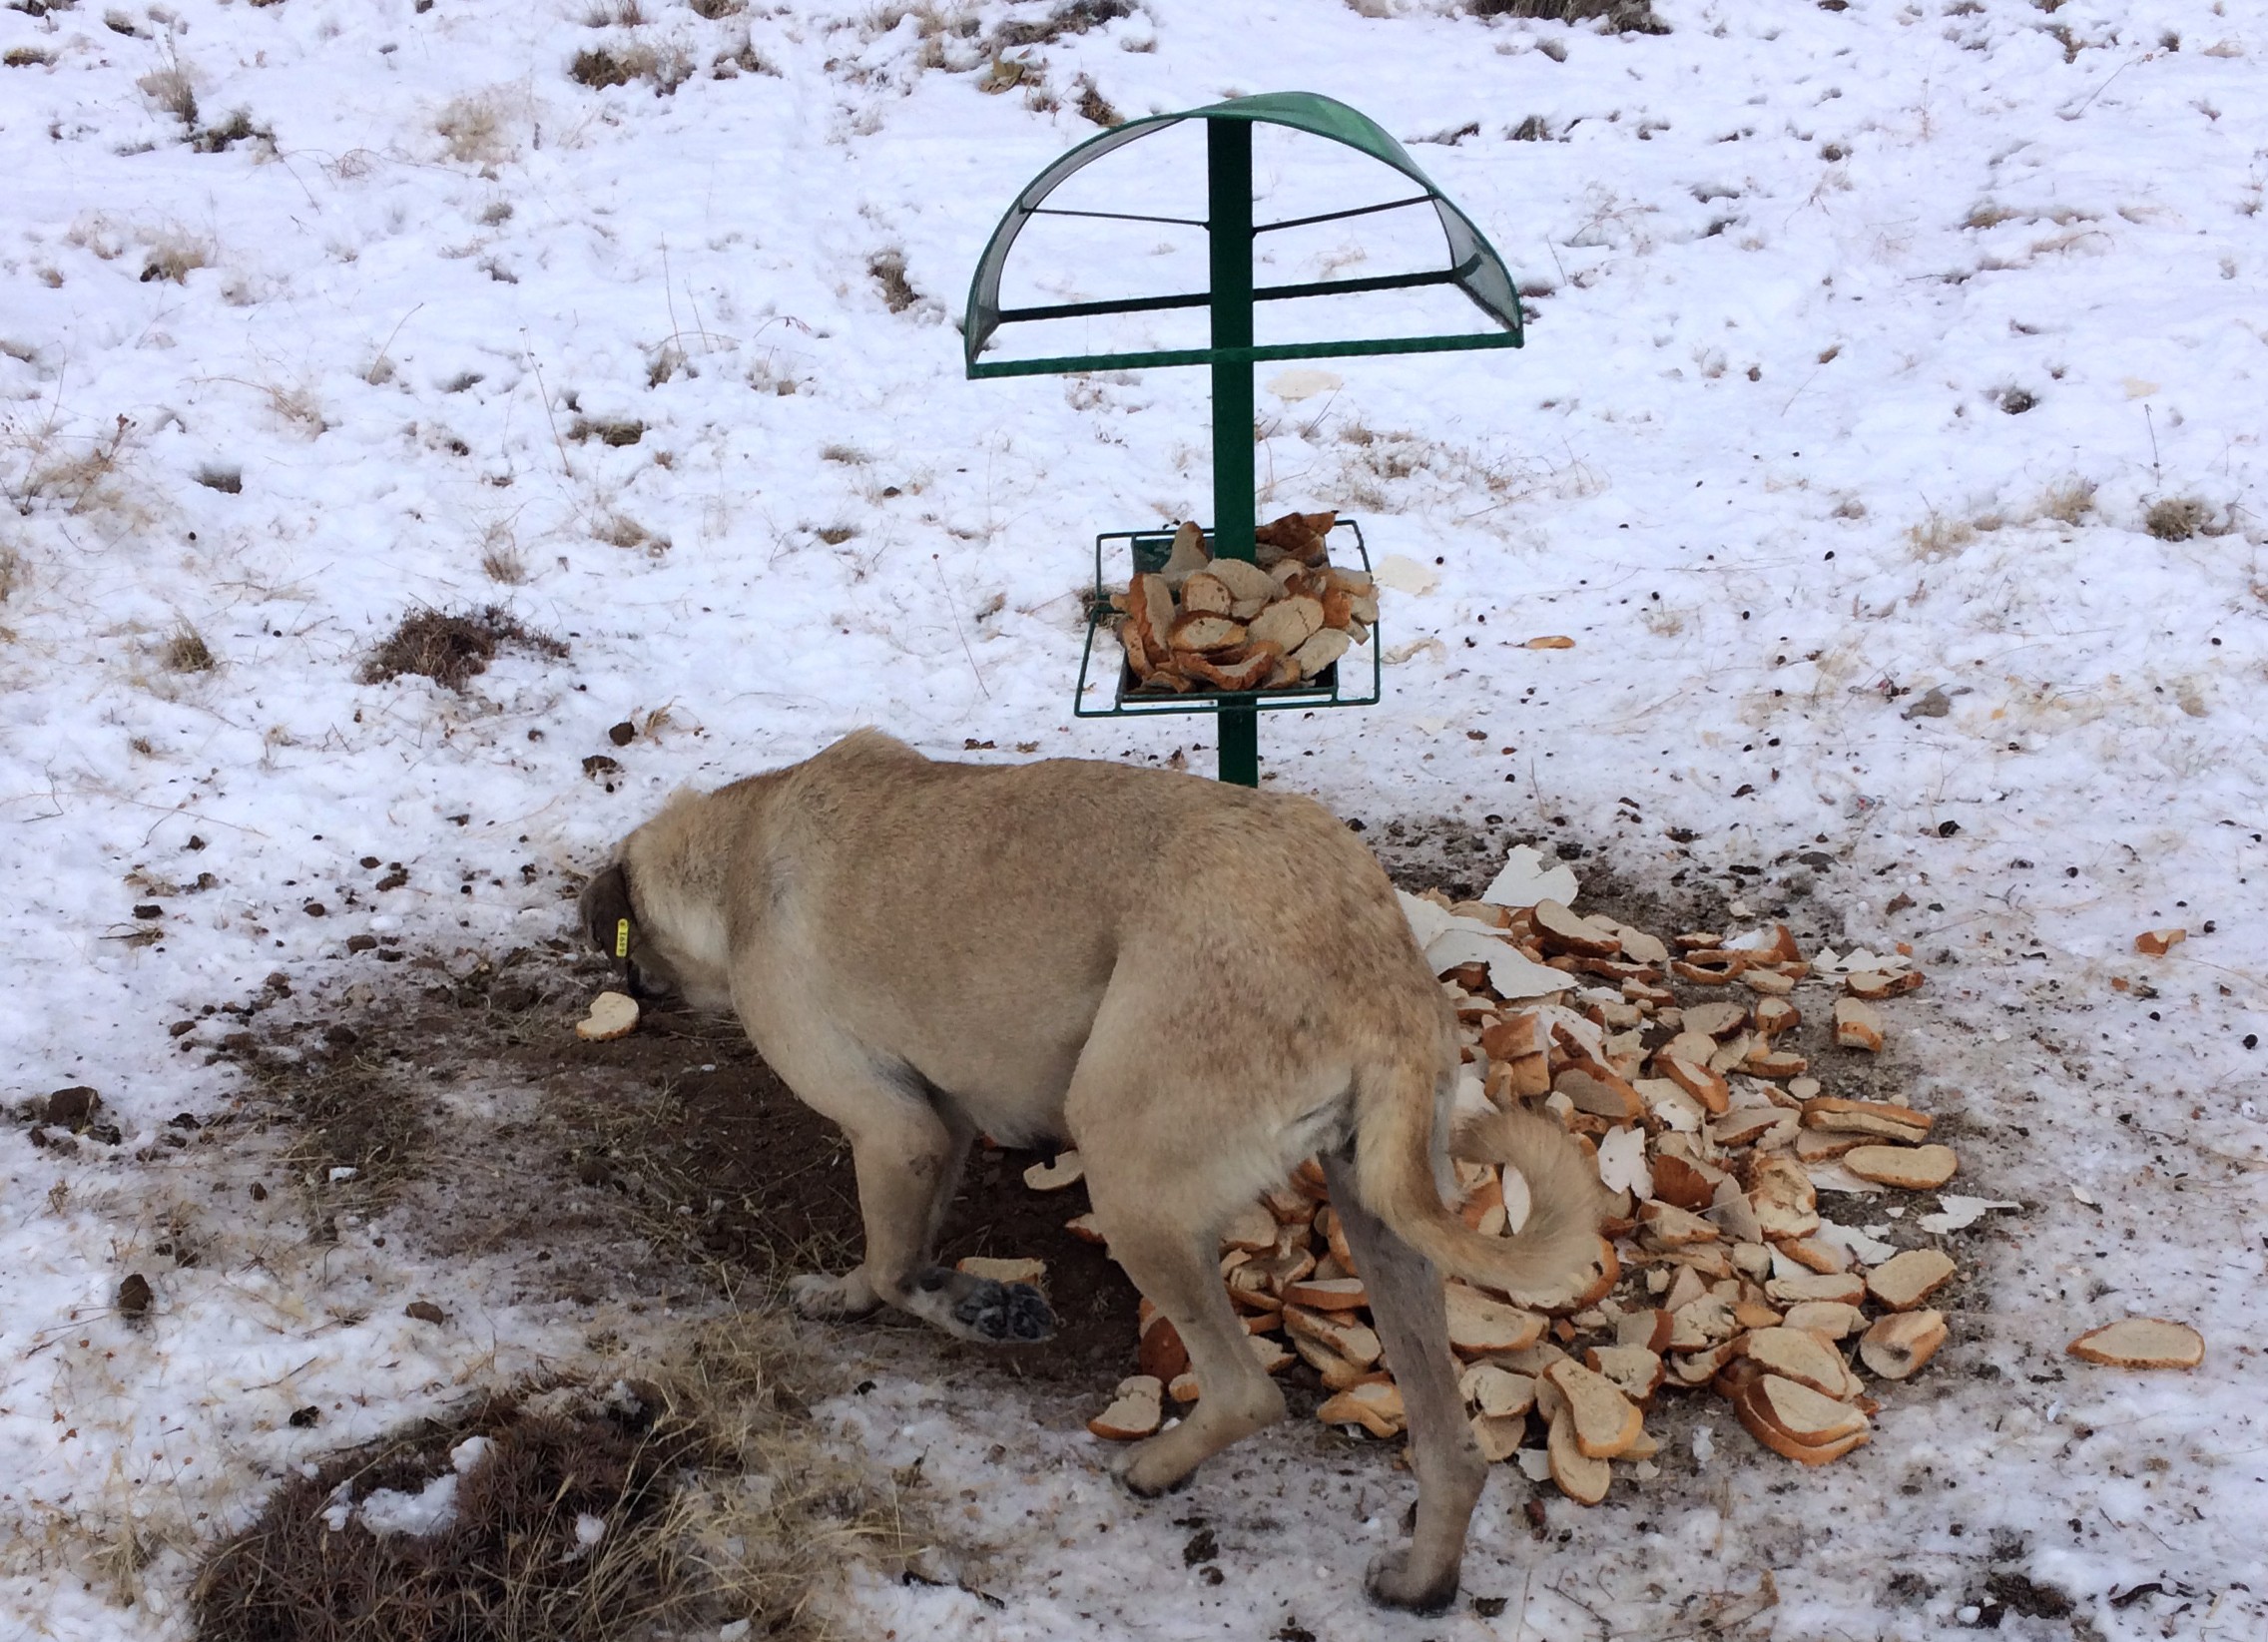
(1228, 172)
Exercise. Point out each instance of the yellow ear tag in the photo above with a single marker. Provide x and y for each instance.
(621, 938)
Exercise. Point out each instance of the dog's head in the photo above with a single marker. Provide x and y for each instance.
(611, 923)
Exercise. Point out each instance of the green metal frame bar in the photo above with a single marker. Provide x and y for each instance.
(1072, 364)
(1228, 206)
(1147, 550)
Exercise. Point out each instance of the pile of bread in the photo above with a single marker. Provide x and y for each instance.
(1269, 623)
(1675, 1063)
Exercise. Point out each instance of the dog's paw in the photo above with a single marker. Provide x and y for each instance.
(1007, 1314)
(831, 1298)
(1394, 1584)
(1146, 1474)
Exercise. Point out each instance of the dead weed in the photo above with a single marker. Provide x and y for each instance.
(695, 1497)
(450, 648)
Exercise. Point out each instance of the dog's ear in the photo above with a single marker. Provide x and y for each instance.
(605, 905)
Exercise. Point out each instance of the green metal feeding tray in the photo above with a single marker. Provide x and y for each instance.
(1339, 685)
(1471, 266)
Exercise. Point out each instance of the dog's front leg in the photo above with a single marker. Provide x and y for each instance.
(907, 1152)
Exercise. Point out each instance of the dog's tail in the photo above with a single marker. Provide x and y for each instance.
(1557, 1247)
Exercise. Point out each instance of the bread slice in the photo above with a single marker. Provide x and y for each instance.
(1161, 1355)
(611, 1015)
(1809, 1417)
(1321, 649)
(1481, 1323)
(1846, 1287)
(1669, 1227)
(1205, 592)
(1606, 1422)
(1915, 1168)
(1086, 1229)
(2156, 943)
(1205, 632)
(1068, 1169)
(1337, 1372)
(1696, 1079)
(1875, 986)
(1680, 1183)
(1336, 1294)
(1253, 1229)
(1785, 1201)
(1497, 1390)
(1558, 930)
(1150, 614)
(1137, 1412)
(1191, 553)
(1858, 1024)
(1898, 1345)
(1757, 1411)
(1376, 1405)
(1580, 1477)
(1828, 1319)
(1289, 622)
(1632, 1369)
(1803, 1357)
(1813, 1255)
(1867, 1117)
(1337, 1332)
(1498, 1436)
(2142, 1343)
(1749, 1125)
(1904, 1281)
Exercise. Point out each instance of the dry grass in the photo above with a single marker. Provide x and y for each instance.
(711, 1500)
(12, 574)
(1623, 16)
(602, 66)
(230, 481)
(187, 652)
(2068, 501)
(475, 130)
(174, 255)
(621, 530)
(237, 128)
(501, 560)
(172, 89)
(888, 271)
(450, 648)
(609, 431)
(1937, 537)
(1094, 106)
(1074, 17)
(2177, 518)
(59, 473)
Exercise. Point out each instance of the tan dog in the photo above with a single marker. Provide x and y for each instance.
(1197, 984)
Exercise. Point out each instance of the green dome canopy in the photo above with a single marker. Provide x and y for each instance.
(1471, 265)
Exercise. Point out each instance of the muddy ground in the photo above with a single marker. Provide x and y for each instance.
(675, 1165)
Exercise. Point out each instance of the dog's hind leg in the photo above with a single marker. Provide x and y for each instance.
(1174, 1263)
(1162, 1207)
(1405, 1305)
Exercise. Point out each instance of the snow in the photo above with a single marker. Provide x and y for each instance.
(1838, 315)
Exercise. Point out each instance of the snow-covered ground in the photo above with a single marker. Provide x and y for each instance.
(1865, 342)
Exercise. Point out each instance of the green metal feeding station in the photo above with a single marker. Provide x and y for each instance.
(1471, 266)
